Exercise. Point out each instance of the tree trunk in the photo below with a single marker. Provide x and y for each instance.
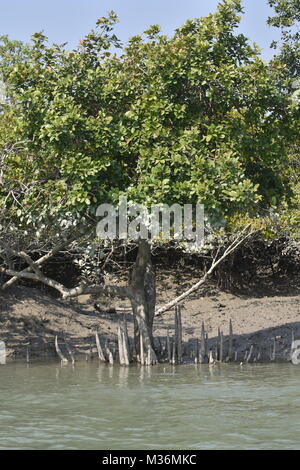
(143, 298)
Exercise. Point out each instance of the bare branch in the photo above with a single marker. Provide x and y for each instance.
(36, 277)
(119, 291)
(37, 263)
(230, 249)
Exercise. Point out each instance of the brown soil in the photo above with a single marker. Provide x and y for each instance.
(30, 318)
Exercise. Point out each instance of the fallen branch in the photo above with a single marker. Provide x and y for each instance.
(39, 262)
(121, 291)
(36, 277)
(216, 261)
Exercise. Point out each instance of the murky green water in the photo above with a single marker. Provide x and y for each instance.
(188, 407)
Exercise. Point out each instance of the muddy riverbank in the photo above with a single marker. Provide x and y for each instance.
(30, 319)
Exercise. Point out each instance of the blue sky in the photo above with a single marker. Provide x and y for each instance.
(70, 20)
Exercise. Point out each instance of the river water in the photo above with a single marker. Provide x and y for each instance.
(92, 406)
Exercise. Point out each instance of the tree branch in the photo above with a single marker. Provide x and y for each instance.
(216, 261)
(119, 291)
(37, 263)
(36, 277)
(122, 291)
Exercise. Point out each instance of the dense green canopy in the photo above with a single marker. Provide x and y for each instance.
(197, 117)
(287, 18)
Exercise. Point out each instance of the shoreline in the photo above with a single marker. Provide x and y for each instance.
(30, 319)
